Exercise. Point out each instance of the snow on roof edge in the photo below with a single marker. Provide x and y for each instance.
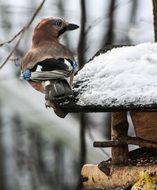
(125, 75)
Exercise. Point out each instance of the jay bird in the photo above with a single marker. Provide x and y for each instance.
(48, 63)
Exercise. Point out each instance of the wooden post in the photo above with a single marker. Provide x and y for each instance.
(119, 127)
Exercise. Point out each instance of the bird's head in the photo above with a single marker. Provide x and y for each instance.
(51, 29)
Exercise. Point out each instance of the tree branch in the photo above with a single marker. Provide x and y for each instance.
(12, 39)
(21, 33)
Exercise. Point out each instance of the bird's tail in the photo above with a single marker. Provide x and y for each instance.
(56, 90)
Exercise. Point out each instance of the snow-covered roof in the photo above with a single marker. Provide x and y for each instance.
(121, 76)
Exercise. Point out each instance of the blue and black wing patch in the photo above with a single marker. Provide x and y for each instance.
(55, 64)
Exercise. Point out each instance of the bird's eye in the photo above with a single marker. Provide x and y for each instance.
(58, 23)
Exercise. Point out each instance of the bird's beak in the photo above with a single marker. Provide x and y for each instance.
(71, 26)
(68, 26)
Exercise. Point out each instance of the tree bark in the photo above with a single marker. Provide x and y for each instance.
(2, 168)
(82, 38)
(120, 177)
(155, 19)
(108, 38)
(81, 61)
(82, 146)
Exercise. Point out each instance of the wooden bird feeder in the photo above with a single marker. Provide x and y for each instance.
(123, 168)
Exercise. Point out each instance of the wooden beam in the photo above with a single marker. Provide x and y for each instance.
(70, 105)
(126, 140)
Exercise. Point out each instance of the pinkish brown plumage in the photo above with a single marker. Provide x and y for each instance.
(46, 46)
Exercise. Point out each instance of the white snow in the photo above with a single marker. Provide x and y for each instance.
(122, 76)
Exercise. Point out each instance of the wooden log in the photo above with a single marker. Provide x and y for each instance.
(119, 127)
(126, 140)
(120, 177)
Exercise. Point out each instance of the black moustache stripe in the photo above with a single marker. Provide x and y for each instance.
(61, 31)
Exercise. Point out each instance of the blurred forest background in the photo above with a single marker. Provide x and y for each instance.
(38, 150)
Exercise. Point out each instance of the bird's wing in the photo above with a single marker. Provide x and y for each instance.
(49, 58)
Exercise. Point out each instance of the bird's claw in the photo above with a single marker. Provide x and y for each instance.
(49, 104)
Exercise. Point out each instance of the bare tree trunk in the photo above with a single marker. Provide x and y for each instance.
(83, 140)
(61, 9)
(132, 21)
(134, 9)
(2, 177)
(59, 171)
(82, 38)
(82, 146)
(81, 60)
(155, 18)
(108, 38)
